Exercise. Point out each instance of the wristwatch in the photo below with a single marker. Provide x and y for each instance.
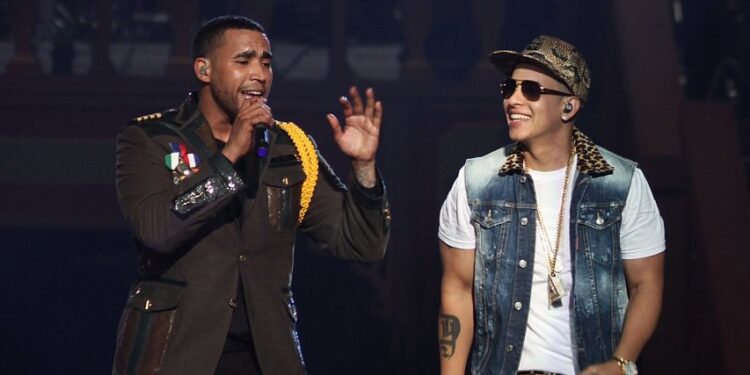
(627, 367)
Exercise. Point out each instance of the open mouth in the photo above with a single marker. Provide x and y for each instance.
(252, 94)
(519, 117)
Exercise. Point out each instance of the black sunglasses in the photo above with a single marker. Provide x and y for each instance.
(531, 90)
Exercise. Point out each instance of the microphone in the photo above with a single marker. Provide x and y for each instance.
(262, 135)
(261, 140)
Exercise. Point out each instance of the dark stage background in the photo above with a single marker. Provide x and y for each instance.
(670, 86)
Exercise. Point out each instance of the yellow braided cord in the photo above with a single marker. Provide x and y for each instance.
(309, 159)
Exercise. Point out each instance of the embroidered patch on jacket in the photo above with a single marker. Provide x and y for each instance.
(180, 162)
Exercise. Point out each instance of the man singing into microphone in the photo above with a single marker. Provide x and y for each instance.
(215, 192)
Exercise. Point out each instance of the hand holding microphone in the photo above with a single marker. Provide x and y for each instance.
(250, 131)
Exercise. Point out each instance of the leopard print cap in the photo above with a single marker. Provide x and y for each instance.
(558, 57)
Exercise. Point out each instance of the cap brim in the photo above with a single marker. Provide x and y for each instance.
(506, 60)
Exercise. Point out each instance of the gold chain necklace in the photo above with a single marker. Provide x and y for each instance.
(554, 285)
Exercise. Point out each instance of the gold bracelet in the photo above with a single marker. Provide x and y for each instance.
(622, 363)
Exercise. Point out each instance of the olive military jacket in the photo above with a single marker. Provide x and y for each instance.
(202, 227)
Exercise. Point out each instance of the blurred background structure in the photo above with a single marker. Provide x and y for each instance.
(670, 90)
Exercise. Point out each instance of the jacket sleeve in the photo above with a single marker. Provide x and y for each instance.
(161, 213)
(350, 222)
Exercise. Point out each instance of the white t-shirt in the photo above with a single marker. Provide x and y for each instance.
(548, 342)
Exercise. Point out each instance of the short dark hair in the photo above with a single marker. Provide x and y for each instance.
(209, 35)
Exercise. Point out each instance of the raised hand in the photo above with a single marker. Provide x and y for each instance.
(359, 138)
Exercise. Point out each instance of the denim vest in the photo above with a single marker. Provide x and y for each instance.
(503, 215)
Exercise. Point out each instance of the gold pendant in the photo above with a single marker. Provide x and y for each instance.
(555, 290)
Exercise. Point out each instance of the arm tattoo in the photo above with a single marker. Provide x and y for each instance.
(366, 176)
(449, 329)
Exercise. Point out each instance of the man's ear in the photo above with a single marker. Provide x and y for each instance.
(202, 68)
(571, 107)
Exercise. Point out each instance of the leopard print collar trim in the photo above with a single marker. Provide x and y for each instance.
(590, 160)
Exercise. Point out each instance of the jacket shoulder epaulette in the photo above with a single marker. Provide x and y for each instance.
(146, 118)
(156, 123)
(163, 116)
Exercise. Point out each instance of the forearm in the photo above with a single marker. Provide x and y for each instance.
(163, 214)
(350, 222)
(455, 330)
(365, 172)
(641, 318)
(155, 224)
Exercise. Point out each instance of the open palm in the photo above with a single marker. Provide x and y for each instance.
(359, 137)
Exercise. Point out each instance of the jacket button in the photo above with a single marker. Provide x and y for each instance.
(523, 179)
(242, 258)
(387, 213)
(508, 348)
(517, 306)
(522, 263)
(524, 221)
(232, 303)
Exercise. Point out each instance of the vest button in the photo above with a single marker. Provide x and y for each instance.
(524, 221)
(242, 258)
(522, 263)
(232, 303)
(523, 179)
(599, 220)
(509, 348)
(517, 306)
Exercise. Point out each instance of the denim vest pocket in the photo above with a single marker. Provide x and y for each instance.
(491, 233)
(599, 231)
(489, 215)
(490, 221)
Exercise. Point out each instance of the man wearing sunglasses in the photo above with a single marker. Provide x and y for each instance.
(552, 247)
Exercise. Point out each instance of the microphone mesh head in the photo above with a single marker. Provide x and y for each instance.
(262, 152)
